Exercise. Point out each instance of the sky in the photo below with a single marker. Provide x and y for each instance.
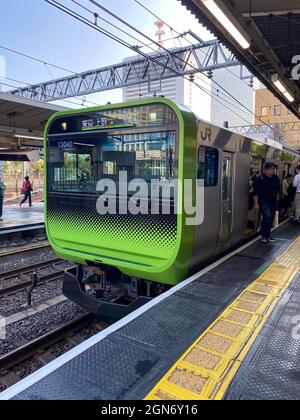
(36, 28)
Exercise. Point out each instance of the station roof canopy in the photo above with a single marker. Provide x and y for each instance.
(271, 39)
(22, 122)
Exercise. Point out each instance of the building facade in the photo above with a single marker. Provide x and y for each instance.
(231, 112)
(269, 109)
(196, 96)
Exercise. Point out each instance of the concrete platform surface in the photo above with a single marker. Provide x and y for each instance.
(14, 216)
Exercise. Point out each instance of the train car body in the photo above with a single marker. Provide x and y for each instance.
(151, 140)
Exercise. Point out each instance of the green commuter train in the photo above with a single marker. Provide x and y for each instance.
(140, 195)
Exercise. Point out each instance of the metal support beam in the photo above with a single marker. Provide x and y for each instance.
(267, 129)
(205, 56)
(263, 59)
(8, 138)
(269, 133)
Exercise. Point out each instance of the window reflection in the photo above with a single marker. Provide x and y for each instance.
(77, 165)
(226, 179)
(208, 161)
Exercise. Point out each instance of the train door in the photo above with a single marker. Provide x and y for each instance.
(227, 201)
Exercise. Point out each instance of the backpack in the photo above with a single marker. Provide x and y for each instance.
(29, 187)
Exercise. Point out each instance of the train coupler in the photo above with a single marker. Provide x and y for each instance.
(75, 289)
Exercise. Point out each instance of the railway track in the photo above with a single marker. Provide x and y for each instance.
(8, 276)
(21, 249)
(39, 350)
(25, 284)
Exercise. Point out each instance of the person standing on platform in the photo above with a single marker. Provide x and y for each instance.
(2, 190)
(266, 196)
(297, 198)
(288, 197)
(292, 194)
(27, 190)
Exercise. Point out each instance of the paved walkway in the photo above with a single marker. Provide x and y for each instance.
(15, 216)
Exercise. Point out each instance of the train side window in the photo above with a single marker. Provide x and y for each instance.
(257, 166)
(208, 163)
(226, 178)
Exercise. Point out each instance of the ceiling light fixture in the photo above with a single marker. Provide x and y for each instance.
(25, 136)
(281, 87)
(227, 24)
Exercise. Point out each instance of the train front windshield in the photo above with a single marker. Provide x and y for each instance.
(83, 149)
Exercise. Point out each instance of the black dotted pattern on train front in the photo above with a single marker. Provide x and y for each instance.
(85, 225)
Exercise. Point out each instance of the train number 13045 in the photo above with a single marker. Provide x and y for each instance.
(65, 144)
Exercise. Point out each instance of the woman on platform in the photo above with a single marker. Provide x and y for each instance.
(27, 190)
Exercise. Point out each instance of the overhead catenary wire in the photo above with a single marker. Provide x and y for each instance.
(96, 16)
(136, 39)
(187, 40)
(28, 84)
(65, 100)
(73, 72)
(84, 20)
(45, 63)
(37, 59)
(183, 35)
(124, 43)
(170, 52)
(148, 45)
(136, 50)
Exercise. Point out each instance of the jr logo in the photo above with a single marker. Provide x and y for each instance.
(206, 134)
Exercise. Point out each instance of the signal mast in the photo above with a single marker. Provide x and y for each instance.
(160, 33)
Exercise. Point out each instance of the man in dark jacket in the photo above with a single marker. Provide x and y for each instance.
(266, 195)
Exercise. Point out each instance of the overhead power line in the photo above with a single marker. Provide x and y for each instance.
(202, 52)
(124, 43)
(73, 72)
(115, 38)
(163, 48)
(45, 63)
(96, 3)
(227, 69)
(28, 84)
(38, 60)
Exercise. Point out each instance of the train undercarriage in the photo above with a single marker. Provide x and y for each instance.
(106, 292)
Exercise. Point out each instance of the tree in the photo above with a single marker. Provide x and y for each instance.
(12, 174)
(36, 168)
(13, 169)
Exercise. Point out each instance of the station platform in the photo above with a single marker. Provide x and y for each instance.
(16, 219)
(230, 332)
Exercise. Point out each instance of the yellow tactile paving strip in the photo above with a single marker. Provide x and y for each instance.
(208, 367)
